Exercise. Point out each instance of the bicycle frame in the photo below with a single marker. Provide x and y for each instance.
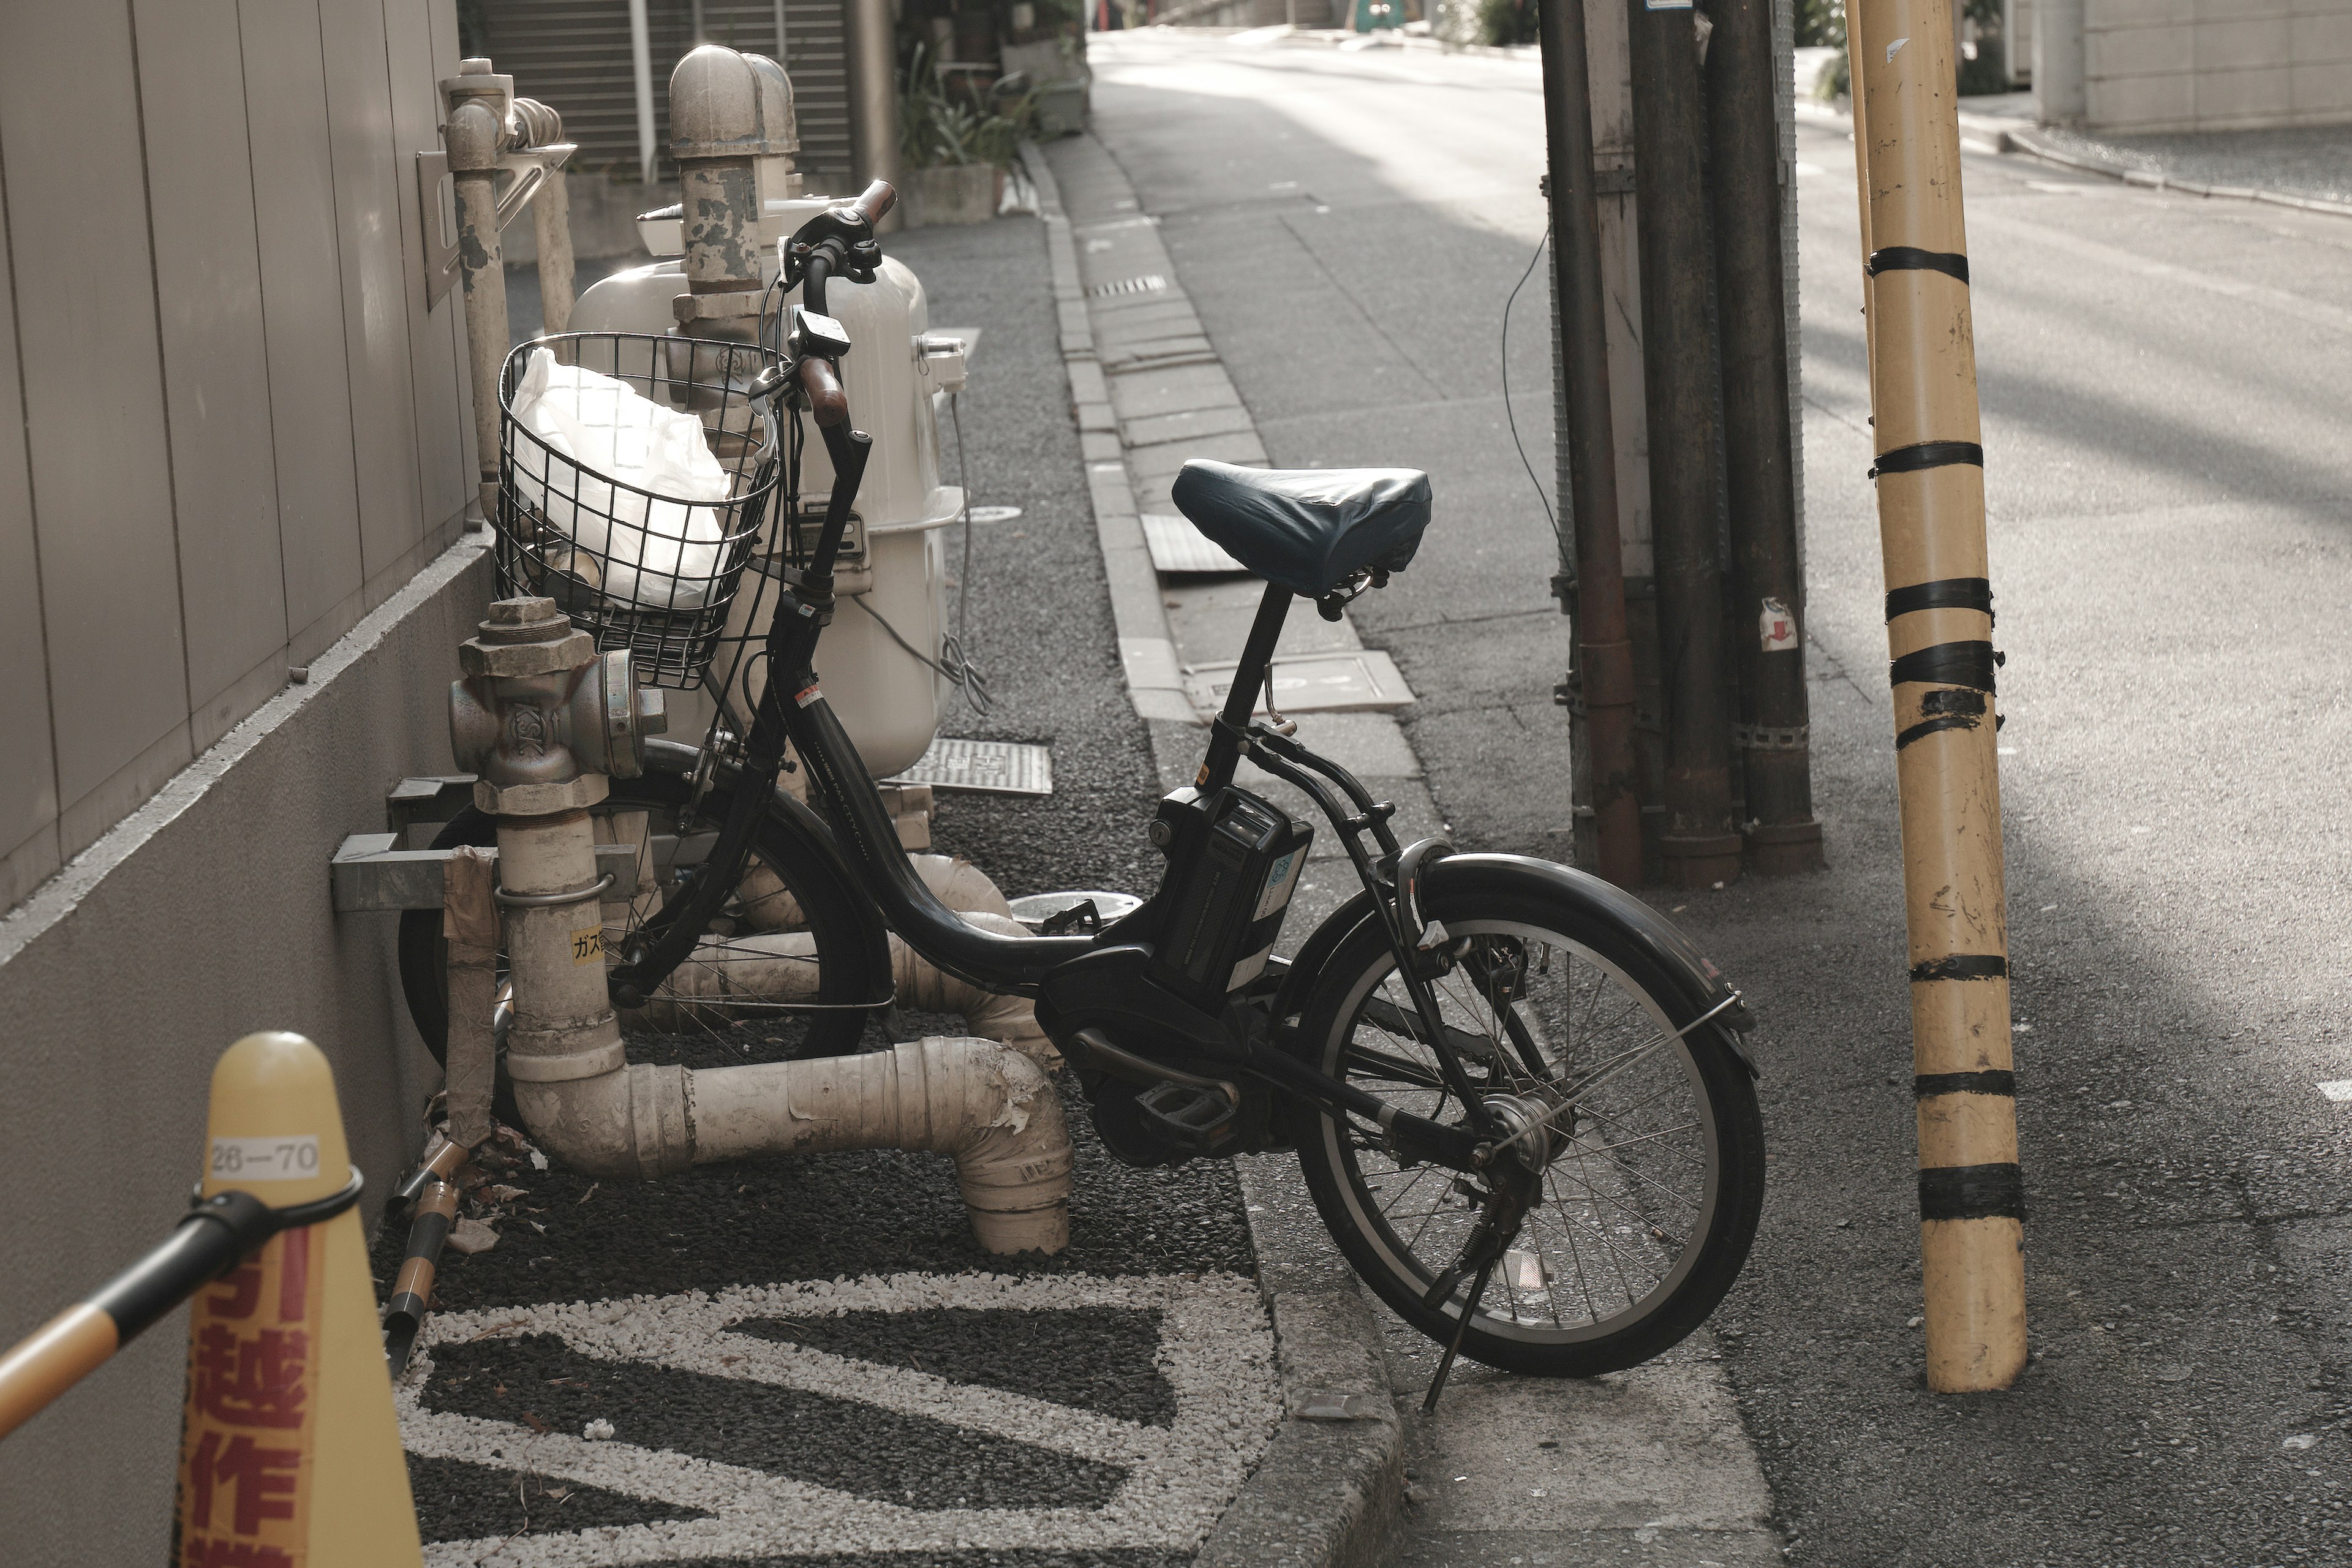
(1102, 974)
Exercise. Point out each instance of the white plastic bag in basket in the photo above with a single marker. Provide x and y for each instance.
(652, 550)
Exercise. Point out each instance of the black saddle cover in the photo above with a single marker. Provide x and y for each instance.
(1307, 529)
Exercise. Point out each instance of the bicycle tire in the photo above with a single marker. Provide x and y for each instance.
(1341, 1159)
(853, 957)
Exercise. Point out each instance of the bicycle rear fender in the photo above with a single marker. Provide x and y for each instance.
(1701, 986)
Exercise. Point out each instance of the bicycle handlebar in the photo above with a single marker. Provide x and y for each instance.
(828, 402)
(877, 201)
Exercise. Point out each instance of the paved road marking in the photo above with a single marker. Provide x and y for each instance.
(1215, 1351)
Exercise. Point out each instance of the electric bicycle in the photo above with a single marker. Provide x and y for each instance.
(1518, 1096)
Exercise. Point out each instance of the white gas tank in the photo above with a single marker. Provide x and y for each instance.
(892, 577)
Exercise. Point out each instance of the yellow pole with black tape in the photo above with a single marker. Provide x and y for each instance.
(290, 1450)
(1930, 477)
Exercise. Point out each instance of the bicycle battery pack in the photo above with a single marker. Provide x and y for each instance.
(1234, 861)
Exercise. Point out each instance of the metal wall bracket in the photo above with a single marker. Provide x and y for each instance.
(520, 173)
(371, 873)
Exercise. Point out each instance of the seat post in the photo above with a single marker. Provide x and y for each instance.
(1249, 680)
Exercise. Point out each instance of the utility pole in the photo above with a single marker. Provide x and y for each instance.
(1930, 477)
(1605, 653)
(1767, 587)
(873, 95)
(1700, 844)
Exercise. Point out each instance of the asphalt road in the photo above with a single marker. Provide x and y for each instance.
(2165, 412)
(812, 1361)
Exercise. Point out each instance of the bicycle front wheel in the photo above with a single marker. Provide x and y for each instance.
(1654, 1181)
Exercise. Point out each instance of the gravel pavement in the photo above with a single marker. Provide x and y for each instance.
(812, 1361)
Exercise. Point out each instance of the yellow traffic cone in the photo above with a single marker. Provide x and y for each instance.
(290, 1452)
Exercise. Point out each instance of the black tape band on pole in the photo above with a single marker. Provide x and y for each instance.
(1972, 1192)
(1944, 594)
(1962, 967)
(1969, 664)
(1910, 258)
(1927, 455)
(1948, 709)
(1992, 1081)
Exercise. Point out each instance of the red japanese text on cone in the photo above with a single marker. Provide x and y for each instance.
(290, 1454)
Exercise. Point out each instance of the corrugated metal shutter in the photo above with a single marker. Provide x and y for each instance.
(574, 55)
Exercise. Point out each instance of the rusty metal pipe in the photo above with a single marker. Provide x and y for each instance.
(1604, 648)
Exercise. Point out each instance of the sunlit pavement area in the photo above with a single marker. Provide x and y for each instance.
(2164, 415)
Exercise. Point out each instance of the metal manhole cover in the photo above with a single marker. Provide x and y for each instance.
(988, 767)
(1315, 683)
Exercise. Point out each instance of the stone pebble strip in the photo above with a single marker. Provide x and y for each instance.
(1329, 1494)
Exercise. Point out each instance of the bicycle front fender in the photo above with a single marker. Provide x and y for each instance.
(1700, 984)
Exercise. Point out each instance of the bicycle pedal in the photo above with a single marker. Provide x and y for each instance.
(1200, 1120)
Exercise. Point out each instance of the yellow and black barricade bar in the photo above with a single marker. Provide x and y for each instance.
(217, 1234)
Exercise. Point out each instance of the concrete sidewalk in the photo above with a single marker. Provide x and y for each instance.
(1649, 1465)
(2306, 167)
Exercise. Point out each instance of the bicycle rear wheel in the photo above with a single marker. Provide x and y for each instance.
(1654, 1184)
(791, 884)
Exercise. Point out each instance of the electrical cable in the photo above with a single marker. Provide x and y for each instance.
(1549, 516)
(961, 669)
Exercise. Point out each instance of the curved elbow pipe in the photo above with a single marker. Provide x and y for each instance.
(987, 1106)
(732, 974)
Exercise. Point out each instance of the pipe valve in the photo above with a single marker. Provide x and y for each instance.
(543, 720)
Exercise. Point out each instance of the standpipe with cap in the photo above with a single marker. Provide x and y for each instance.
(733, 134)
(485, 130)
(1930, 479)
(474, 135)
(541, 719)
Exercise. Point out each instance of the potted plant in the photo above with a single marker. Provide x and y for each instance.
(956, 153)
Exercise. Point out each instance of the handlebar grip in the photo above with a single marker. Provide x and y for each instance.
(878, 199)
(828, 403)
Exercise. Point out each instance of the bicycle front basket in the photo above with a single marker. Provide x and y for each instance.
(651, 567)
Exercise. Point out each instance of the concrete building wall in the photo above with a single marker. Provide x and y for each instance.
(2206, 65)
(236, 443)
(241, 428)
(203, 916)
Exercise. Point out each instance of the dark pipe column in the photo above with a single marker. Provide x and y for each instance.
(1768, 609)
(1605, 656)
(1701, 843)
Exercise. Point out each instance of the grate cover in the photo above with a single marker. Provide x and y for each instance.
(987, 767)
(1149, 283)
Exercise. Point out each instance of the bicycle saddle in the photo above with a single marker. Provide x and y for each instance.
(1307, 529)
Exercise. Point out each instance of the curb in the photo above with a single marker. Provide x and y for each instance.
(1328, 1493)
(2030, 143)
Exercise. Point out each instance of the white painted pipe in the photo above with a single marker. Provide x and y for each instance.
(729, 973)
(988, 1108)
(985, 1104)
(641, 63)
(768, 905)
(780, 966)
